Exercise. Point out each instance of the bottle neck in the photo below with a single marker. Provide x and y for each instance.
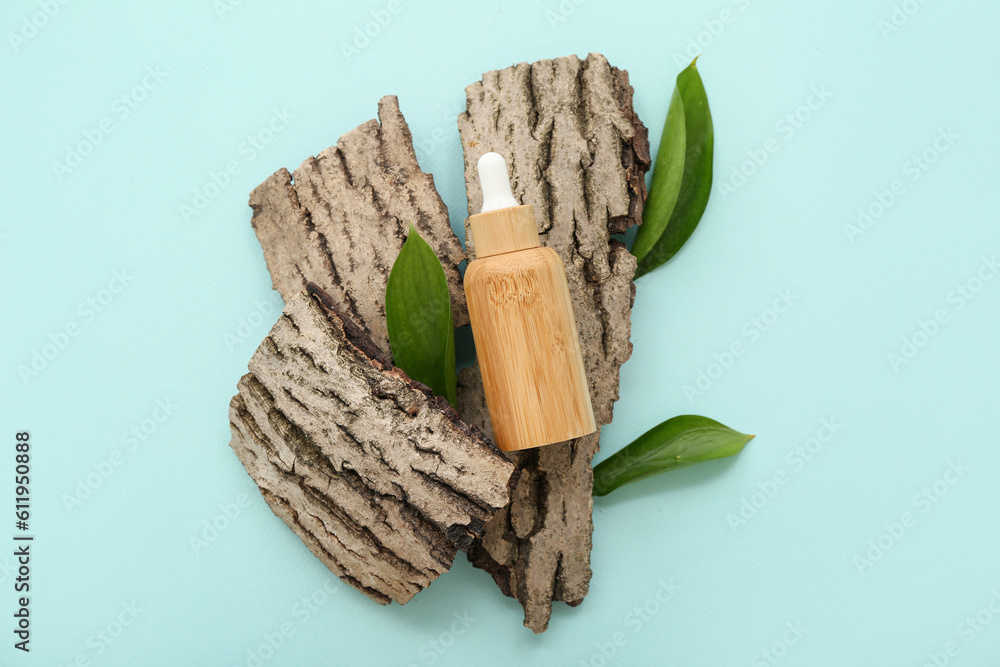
(503, 230)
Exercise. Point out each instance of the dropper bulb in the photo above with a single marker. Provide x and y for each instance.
(495, 183)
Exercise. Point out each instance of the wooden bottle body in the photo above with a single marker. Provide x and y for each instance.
(528, 349)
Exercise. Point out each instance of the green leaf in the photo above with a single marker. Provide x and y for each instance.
(666, 185)
(418, 315)
(678, 197)
(677, 442)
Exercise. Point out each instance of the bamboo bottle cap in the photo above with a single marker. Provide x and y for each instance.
(503, 225)
(504, 230)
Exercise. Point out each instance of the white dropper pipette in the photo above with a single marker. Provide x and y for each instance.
(495, 183)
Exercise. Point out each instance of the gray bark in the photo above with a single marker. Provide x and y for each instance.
(340, 219)
(378, 477)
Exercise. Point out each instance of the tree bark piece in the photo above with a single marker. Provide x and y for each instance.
(378, 477)
(578, 152)
(341, 218)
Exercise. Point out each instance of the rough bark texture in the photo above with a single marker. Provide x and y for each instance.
(377, 476)
(578, 152)
(341, 218)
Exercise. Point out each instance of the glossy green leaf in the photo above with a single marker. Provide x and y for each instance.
(666, 184)
(418, 315)
(678, 197)
(677, 442)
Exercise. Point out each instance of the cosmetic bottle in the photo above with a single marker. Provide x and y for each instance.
(523, 324)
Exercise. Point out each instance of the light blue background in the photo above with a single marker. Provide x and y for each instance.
(184, 328)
